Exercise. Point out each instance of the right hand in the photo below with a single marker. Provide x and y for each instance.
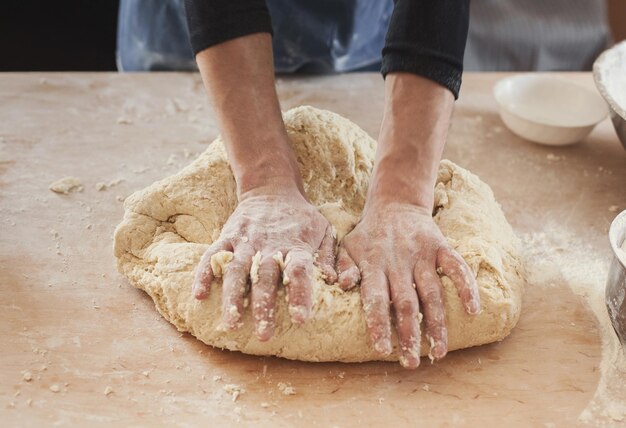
(269, 220)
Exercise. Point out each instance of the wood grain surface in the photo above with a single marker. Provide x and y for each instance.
(69, 320)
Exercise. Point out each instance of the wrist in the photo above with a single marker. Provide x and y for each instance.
(411, 141)
(396, 180)
(277, 185)
(272, 169)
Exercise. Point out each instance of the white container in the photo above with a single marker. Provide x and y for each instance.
(609, 72)
(547, 109)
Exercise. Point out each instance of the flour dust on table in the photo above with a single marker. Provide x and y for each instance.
(169, 225)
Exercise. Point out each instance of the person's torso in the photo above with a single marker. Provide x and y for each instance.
(347, 35)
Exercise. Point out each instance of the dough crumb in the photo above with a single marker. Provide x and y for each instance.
(431, 357)
(234, 390)
(219, 262)
(108, 390)
(254, 270)
(217, 378)
(613, 209)
(123, 120)
(104, 186)
(554, 158)
(146, 373)
(278, 258)
(265, 404)
(66, 185)
(425, 387)
(55, 388)
(286, 389)
(28, 376)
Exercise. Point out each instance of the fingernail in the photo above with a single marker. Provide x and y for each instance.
(383, 346)
(298, 313)
(263, 332)
(199, 293)
(330, 275)
(410, 358)
(473, 307)
(408, 362)
(439, 350)
(231, 317)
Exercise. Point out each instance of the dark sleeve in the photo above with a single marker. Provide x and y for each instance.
(215, 21)
(427, 38)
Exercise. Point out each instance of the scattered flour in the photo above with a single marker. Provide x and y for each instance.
(104, 186)
(234, 390)
(554, 158)
(286, 389)
(586, 276)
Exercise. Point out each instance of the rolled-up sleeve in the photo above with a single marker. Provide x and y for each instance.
(215, 21)
(427, 38)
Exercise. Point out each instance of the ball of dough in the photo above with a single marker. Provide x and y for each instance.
(168, 226)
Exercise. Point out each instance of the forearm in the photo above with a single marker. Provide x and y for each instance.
(413, 134)
(239, 77)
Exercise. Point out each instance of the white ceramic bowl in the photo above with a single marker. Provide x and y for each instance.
(548, 110)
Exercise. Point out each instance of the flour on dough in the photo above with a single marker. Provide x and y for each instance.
(66, 185)
(169, 225)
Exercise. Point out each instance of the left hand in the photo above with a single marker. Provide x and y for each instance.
(398, 248)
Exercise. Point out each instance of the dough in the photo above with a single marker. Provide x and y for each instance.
(66, 185)
(169, 225)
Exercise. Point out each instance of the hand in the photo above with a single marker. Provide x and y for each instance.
(398, 249)
(269, 222)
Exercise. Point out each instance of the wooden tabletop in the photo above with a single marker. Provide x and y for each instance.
(80, 346)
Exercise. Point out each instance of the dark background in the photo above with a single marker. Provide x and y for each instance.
(64, 35)
(56, 35)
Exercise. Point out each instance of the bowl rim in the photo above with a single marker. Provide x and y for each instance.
(618, 226)
(599, 79)
(547, 77)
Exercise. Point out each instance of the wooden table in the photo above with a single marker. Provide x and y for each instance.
(71, 322)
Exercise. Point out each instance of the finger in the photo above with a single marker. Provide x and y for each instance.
(234, 286)
(263, 295)
(326, 256)
(204, 274)
(454, 267)
(430, 293)
(349, 274)
(375, 298)
(406, 310)
(297, 277)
